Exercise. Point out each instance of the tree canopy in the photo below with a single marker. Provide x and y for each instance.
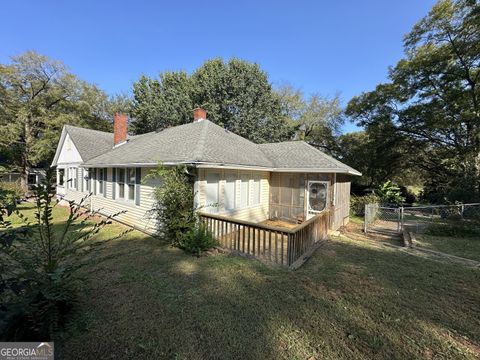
(236, 94)
(431, 104)
(37, 97)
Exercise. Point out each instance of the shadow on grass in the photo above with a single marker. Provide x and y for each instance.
(349, 301)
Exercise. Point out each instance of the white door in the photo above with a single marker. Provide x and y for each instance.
(317, 197)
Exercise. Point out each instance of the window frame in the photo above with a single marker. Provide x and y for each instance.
(234, 175)
(255, 178)
(248, 177)
(130, 174)
(85, 178)
(72, 182)
(209, 206)
(61, 177)
(327, 196)
(129, 188)
(100, 181)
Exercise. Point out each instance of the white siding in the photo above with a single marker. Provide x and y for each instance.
(69, 153)
(255, 213)
(138, 216)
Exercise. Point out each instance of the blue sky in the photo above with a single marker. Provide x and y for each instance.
(318, 46)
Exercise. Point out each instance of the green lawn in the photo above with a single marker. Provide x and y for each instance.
(467, 247)
(352, 300)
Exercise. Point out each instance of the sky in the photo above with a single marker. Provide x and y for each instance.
(323, 47)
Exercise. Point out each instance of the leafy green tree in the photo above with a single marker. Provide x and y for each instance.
(40, 277)
(161, 103)
(39, 96)
(236, 95)
(316, 119)
(390, 193)
(432, 100)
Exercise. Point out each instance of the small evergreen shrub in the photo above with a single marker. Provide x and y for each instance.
(176, 213)
(174, 203)
(197, 239)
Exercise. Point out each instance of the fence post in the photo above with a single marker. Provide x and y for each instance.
(399, 219)
(365, 219)
(462, 209)
(402, 215)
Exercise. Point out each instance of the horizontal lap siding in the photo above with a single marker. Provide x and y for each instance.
(254, 213)
(342, 201)
(137, 216)
(76, 196)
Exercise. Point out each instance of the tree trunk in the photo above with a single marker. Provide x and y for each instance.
(25, 167)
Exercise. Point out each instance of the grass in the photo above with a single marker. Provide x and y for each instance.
(466, 247)
(352, 300)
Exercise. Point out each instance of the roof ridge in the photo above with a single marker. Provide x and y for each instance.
(197, 153)
(329, 157)
(87, 129)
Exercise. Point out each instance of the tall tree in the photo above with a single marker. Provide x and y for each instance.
(236, 95)
(161, 103)
(39, 96)
(316, 119)
(433, 99)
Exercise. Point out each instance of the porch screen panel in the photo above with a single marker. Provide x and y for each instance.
(211, 192)
(287, 196)
(244, 190)
(230, 179)
(256, 190)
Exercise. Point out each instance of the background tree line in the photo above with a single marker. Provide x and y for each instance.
(421, 128)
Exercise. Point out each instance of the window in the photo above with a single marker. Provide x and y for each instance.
(317, 196)
(72, 178)
(61, 177)
(211, 195)
(126, 182)
(230, 179)
(244, 190)
(85, 180)
(101, 183)
(32, 179)
(121, 183)
(131, 183)
(256, 190)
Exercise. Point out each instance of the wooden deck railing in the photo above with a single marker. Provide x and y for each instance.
(269, 243)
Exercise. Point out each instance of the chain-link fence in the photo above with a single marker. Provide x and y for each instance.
(391, 220)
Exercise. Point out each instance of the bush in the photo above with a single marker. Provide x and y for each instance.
(198, 239)
(174, 207)
(390, 193)
(458, 230)
(39, 271)
(10, 193)
(357, 203)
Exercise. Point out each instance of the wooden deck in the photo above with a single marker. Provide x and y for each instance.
(267, 241)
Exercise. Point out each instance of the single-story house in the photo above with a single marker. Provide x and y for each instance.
(234, 177)
(34, 177)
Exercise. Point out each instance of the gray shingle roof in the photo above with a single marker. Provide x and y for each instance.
(90, 143)
(197, 143)
(300, 155)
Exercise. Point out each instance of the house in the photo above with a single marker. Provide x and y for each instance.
(234, 177)
(34, 177)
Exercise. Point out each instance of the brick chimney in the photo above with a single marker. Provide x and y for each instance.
(120, 124)
(199, 114)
